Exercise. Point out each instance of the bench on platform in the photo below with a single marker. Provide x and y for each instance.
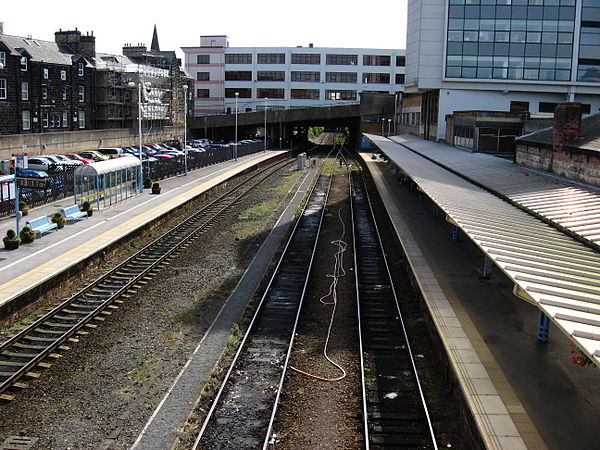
(41, 224)
(73, 213)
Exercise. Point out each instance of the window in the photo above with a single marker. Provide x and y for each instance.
(306, 94)
(81, 94)
(80, 69)
(203, 76)
(23, 63)
(516, 106)
(340, 77)
(271, 58)
(63, 75)
(342, 60)
(202, 59)
(46, 73)
(270, 76)
(45, 120)
(243, 92)
(202, 93)
(64, 93)
(26, 120)
(81, 119)
(238, 58)
(399, 78)
(340, 95)
(44, 93)
(400, 61)
(299, 58)
(3, 92)
(380, 78)
(238, 75)
(376, 60)
(3, 58)
(270, 93)
(65, 119)
(311, 77)
(24, 90)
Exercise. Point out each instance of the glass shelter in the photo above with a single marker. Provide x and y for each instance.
(105, 183)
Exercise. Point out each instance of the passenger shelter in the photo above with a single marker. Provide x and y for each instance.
(105, 183)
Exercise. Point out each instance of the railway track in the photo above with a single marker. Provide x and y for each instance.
(242, 413)
(394, 410)
(31, 347)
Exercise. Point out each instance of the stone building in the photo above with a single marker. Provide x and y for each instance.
(570, 148)
(47, 86)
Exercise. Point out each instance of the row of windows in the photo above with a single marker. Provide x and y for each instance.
(53, 120)
(508, 74)
(537, 37)
(44, 91)
(306, 94)
(45, 70)
(304, 76)
(519, 2)
(306, 58)
(513, 11)
(545, 107)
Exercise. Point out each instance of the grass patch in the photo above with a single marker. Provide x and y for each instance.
(143, 372)
(17, 326)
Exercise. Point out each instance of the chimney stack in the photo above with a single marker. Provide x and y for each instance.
(567, 124)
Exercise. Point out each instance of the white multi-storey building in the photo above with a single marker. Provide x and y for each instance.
(505, 55)
(287, 77)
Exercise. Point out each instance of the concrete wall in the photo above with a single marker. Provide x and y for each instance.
(573, 164)
(75, 141)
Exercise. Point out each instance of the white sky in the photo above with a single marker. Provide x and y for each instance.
(267, 23)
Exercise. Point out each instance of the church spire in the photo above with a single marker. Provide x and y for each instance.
(154, 46)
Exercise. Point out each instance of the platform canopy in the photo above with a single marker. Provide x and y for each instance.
(107, 182)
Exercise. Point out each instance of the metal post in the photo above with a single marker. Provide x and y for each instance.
(382, 122)
(455, 231)
(266, 98)
(237, 94)
(487, 266)
(185, 152)
(17, 212)
(389, 125)
(543, 328)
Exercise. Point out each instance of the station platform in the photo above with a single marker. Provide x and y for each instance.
(26, 269)
(521, 393)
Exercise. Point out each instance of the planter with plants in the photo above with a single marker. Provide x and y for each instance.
(11, 240)
(59, 220)
(87, 207)
(23, 207)
(155, 188)
(147, 183)
(27, 235)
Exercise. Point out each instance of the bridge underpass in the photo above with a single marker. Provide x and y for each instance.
(287, 127)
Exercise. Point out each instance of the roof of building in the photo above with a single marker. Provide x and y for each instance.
(154, 46)
(46, 51)
(588, 140)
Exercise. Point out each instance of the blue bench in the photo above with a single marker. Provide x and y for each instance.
(41, 224)
(73, 213)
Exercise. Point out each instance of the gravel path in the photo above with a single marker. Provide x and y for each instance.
(101, 393)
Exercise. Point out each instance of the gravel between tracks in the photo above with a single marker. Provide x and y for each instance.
(101, 392)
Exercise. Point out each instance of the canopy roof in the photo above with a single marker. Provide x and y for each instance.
(112, 165)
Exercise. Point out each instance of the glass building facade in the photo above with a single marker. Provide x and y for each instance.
(521, 39)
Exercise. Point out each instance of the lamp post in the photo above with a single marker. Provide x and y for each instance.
(382, 122)
(139, 84)
(389, 126)
(237, 94)
(266, 98)
(185, 152)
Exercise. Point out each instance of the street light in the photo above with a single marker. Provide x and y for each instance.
(266, 98)
(382, 122)
(389, 125)
(237, 94)
(139, 85)
(185, 152)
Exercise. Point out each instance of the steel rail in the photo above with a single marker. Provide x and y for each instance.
(268, 305)
(67, 319)
(377, 303)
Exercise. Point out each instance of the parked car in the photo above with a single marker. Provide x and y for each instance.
(39, 163)
(76, 157)
(170, 152)
(32, 173)
(62, 159)
(114, 152)
(93, 154)
(174, 143)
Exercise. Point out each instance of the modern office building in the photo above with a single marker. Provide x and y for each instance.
(287, 77)
(504, 55)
